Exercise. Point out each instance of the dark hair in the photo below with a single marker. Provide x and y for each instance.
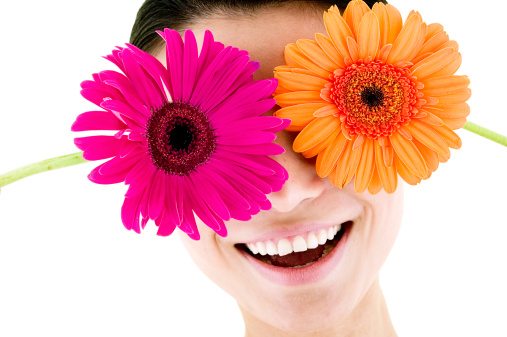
(175, 14)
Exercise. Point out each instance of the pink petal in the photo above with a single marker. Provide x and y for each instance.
(190, 63)
(209, 195)
(228, 194)
(247, 138)
(249, 124)
(130, 213)
(165, 225)
(157, 194)
(121, 109)
(174, 57)
(210, 49)
(145, 85)
(97, 120)
(238, 159)
(100, 147)
(137, 172)
(127, 89)
(118, 164)
(113, 178)
(283, 126)
(267, 149)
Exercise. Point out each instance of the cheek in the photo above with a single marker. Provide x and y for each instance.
(387, 212)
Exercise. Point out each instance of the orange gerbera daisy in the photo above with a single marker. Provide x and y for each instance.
(376, 98)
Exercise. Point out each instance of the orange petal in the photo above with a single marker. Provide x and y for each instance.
(449, 44)
(405, 173)
(297, 55)
(321, 146)
(347, 165)
(326, 160)
(354, 13)
(428, 136)
(431, 119)
(353, 49)
(451, 67)
(380, 11)
(301, 114)
(405, 133)
(445, 85)
(454, 124)
(289, 61)
(419, 58)
(395, 24)
(452, 111)
(433, 43)
(366, 167)
(328, 110)
(406, 40)
(327, 46)
(430, 156)
(450, 137)
(375, 185)
(300, 82)
(384, 52)
(295, 128)
(444, 159)
(432, 64)
(433, 29)
(338, 31)
(388, 153)
(298, 97)
(419, 42)
(387, 175)
(408, 153)
(315, 53)
(315, 133)
(456, 97)
(281, 90)
(368, 37)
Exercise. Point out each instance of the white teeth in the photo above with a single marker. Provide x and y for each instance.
(252, 248)
(322, 237)
(261, 247)
(330, 234)
(299, 244)
(312, 241)
(284, 247)
(271, 248)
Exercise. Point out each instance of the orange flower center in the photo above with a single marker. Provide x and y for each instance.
(374, 99)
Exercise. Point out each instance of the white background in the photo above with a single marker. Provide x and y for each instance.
(69, 268)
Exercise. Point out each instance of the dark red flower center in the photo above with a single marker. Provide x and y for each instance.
(180, 138)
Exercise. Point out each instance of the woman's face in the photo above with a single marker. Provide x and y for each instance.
(328, 290)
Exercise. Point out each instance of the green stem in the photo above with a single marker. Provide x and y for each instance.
(42, 166)
(486, 133)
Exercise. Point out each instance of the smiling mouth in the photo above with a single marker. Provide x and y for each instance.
(299, 251)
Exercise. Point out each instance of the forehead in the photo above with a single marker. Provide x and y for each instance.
(263, 34)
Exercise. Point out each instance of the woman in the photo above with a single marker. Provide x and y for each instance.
(285, 292)
(55, 278)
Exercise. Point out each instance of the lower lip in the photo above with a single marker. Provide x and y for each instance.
(298, 276)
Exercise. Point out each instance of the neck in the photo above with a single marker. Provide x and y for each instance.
(370, 317)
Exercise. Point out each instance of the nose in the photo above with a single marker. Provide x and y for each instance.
(303, 184)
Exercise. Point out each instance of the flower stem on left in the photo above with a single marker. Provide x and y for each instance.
(42, 166)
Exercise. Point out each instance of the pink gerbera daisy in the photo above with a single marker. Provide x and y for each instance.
(191, 138)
